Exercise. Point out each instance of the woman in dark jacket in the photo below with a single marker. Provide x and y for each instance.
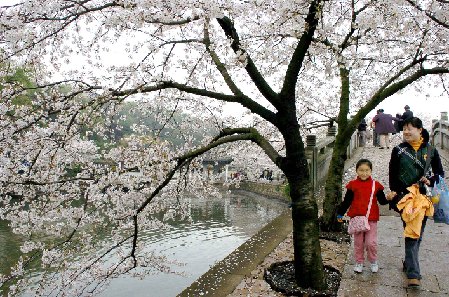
(406, 168)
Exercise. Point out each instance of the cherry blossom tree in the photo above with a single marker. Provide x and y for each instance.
(376, 56)
(276, 60)
(176, 55)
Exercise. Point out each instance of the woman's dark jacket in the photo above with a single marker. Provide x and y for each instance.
(405, 171)
(362, 125)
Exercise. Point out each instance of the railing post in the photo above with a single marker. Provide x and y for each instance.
(331, 131)
(443, 117)
(311, 153)
(311, 140)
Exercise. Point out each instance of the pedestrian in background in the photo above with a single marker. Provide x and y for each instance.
(384, 126)
(361, 131)
(408, 114)
(398, 124)
(375, 135)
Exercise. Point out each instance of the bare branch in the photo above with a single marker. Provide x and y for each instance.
(262, 85)
(440, 22)
(295, 65)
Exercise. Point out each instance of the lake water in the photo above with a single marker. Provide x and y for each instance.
(218, 226)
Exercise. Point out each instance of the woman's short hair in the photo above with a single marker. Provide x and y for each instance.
(425, 135)
(414, 121)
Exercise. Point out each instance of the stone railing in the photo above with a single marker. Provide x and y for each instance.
(270, 189)
(319, 154)
(440, 132)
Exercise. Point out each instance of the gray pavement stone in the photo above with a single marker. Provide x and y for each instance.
(443, 283)
(390, 280)
(429, 283)
(424, 293)
(353, 288)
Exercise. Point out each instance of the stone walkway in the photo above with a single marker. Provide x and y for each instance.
(390, 280)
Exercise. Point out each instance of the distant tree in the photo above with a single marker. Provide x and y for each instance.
(373, 63)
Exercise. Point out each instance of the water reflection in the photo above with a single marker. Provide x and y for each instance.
(216, 228)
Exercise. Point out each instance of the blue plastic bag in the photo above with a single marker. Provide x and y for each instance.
(441, 214)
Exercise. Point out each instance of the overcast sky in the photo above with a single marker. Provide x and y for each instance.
(418, 102)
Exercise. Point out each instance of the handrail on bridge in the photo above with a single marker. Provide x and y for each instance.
(440, 132)
(319, 154)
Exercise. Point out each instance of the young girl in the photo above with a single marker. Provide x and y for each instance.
(358, 193)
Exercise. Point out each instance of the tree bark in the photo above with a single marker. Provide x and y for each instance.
(308, 262)
(333, 191)
(334, 179)
(307, 251)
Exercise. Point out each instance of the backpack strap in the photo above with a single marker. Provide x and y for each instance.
(402, 150)
(430, 153)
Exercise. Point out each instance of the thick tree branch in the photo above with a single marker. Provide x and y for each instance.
(254, 136)
(391, 88)
(220, 66)
(242, 99)
(344, 97)
(291, 76)
(262, 85)
(412, 78)
(226, 136)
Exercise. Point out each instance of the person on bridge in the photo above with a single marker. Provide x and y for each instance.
(375, 135)
(357, 199)
(408, 114)
(384, 126)
(408, 167)
(361, 131)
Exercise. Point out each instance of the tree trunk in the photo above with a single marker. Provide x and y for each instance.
(334, 179)
(333, 192)
(308, 263)
(309, 272)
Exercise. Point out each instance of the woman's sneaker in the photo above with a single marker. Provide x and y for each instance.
(374, 267)
(358, 268)
(413, 283)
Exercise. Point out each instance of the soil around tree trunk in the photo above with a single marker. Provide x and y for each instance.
(281, 278)
(281, 275)
(338, 237)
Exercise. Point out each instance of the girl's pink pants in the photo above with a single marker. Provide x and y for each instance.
(366, 240)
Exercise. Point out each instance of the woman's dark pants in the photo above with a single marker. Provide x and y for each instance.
(412, 253)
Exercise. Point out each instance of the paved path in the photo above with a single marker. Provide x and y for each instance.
(390, 280)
